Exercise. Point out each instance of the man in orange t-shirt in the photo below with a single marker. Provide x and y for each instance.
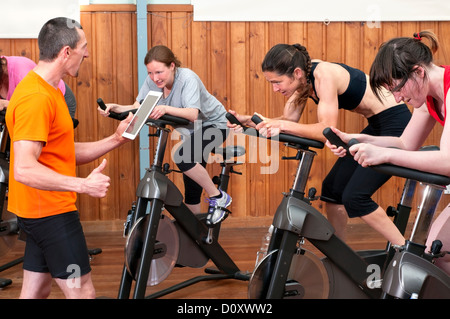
(39, 103)
(42, 181)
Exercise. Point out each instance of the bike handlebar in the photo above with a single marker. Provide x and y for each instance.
(114, 115)
(391, 169)
(283, 138)
(166, 119)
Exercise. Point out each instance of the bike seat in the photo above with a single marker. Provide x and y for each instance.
(229, 151)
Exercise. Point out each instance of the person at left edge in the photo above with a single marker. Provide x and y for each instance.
(43, 182)
(13, 69)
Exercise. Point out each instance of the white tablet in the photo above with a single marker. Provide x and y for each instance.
(142, 114)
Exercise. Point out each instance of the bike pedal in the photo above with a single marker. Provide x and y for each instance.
(95, 251)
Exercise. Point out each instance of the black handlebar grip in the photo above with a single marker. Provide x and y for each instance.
(233, 120)
(281, 137)
(101, 103)
(113, 115)
(352, 142)
(256, 119)
(334, 139)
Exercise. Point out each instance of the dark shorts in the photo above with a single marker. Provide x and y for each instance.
(55, 245)
(196, 149)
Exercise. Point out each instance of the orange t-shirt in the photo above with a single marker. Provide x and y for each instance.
(38, 112)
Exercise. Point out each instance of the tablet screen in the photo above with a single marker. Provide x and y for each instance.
(142, 114)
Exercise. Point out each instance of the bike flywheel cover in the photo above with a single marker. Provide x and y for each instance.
(307, 278)
(165, 253)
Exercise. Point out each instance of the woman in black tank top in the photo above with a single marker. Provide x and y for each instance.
(353, 95)
(348, 188)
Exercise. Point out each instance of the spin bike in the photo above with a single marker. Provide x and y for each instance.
(411, 272)
(156, 244)
(290, 271)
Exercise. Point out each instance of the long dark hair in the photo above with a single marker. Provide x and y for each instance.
(283, 59)
(3, 72)
(398, 58)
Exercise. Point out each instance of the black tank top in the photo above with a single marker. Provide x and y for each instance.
(354, 93)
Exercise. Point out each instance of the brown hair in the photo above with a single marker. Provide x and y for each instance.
(398, 58)
(3, 68)
(3, 71)
(161, 54)
(283, 59)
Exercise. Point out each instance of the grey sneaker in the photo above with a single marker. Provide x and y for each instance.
(217, 210)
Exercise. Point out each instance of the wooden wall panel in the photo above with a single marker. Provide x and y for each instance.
(110, 73)
(227, 56)
(238, 83)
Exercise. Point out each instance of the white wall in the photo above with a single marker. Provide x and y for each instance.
(134, 1)
(321, 10)
(17, 22)
(25, 18)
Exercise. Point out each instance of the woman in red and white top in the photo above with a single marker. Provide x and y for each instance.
(405, 67)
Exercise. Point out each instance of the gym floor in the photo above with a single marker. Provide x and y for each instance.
(240, 243)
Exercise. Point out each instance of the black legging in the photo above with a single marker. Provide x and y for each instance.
(352, 185)
(196, 149)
